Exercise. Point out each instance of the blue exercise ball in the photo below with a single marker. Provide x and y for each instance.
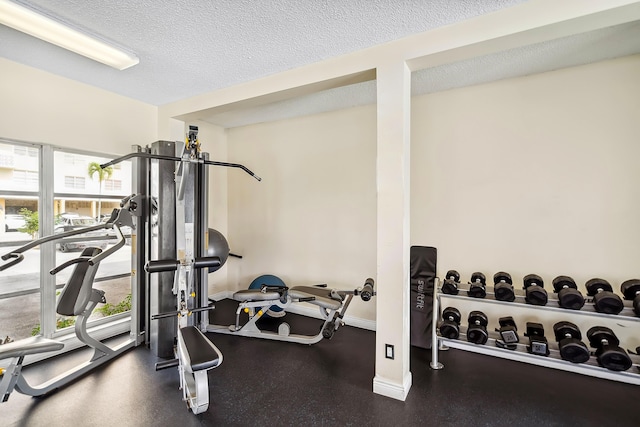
(269, 280)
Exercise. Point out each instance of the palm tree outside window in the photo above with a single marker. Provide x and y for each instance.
(103, 174)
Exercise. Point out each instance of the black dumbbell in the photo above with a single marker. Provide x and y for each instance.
(477, 285)
(450, 326)
(604, 300)
(508, 333)
(535, 293)
(608, 352)
(538, 343)
(570, 342)
(503, 287)
(631, 291)
(477, 330)
(637, 353)
(451, 282)
(568, 294)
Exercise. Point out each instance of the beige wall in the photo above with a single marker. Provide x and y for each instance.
(533, 175)
(313, 217)
(42, 107)
(528, 175)
(213, 140)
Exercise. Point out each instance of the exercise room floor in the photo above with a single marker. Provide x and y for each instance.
(274, 383)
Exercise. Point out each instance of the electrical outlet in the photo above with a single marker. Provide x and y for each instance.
(388, 348)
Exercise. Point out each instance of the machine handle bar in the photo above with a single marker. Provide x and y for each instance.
(45, 239)
(207, 262)
(17, 258)
(111, 223)
(66, 264)
(178, 159)
(177, 313)
(367, 290)
(161, 265)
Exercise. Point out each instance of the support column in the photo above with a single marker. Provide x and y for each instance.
(393, 378)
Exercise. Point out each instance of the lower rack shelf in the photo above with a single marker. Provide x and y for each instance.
(520, 354)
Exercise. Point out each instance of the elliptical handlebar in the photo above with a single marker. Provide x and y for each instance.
(18, 258)
(111, 223)
(121, 242)
(52, 237)
(66, 264)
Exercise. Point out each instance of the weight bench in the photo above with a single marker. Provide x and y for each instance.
(198, 355)
(12, 377)
(195, 354)
(78, 298)
(332, 304)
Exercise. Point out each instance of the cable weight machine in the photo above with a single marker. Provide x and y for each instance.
(173, 250)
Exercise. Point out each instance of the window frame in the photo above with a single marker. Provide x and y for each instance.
(45, 194)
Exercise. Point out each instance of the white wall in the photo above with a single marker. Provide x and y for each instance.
(213, 140)
(529, 175)
(313, 217)
(42, 107)
(533, 175)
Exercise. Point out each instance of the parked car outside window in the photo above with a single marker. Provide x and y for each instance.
(12, 222)
(126, 230)
(73, 222)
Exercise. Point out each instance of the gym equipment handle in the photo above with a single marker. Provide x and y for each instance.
(178, 159)
(176, 313)
(66, 264)
(17, 259)
(367, 290)
(172, 264)
(207, 262)
(161, 265)
(163, 315)
(59, 236)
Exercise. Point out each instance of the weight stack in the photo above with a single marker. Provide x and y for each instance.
(423, 274)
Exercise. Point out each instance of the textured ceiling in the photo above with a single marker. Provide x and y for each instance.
(190, 47)
(607, 43)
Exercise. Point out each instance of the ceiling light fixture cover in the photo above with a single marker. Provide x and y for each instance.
(27, 21)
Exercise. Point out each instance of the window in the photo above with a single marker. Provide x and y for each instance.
(112, 185)
(68, 197)
(19, 203)
(74, 182)
(85, 195)
(25, 179)
(26, 151)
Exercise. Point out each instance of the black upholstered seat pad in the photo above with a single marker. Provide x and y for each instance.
(202, 353)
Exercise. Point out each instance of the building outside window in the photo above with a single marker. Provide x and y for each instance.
(72, 195)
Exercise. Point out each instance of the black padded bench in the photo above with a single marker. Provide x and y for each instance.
(200, 352)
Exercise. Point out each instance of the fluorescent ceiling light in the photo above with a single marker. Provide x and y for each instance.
(26, 20)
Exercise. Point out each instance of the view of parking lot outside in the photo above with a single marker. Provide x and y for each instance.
(80, 200)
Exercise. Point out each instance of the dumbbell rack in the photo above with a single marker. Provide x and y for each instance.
(590, 368)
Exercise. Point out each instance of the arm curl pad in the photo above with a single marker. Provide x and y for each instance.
(161, 265)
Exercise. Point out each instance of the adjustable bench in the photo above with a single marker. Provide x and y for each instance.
(78, 298)
(332, 304)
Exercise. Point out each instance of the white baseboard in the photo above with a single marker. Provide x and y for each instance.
(390, 389)
(309, 310)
